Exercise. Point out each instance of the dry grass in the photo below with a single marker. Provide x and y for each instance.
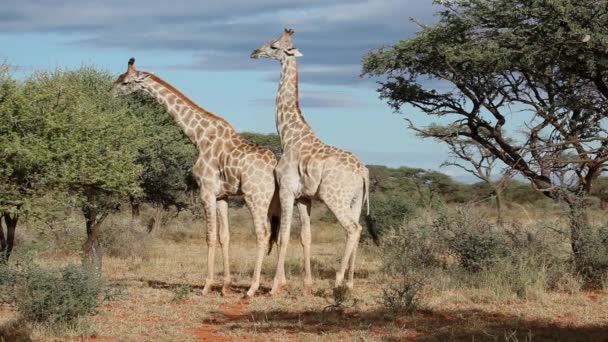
(143, 304)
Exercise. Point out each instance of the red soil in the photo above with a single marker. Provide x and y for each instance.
(210, 331)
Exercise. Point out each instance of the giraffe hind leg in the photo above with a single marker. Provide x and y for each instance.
(258, 206)
(343, 212)
(356, 213)
(287, 200)
(224, 234)
(304, 205)
(209, 204)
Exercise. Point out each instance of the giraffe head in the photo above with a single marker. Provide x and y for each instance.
(130, 81)
(280, 48)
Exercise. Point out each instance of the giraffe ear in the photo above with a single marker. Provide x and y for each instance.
(294, 52)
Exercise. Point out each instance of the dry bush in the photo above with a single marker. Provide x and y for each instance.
(460, 247)
(15, 330)
(123, 240)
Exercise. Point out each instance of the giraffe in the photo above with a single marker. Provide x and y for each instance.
(310, 169)
(227, 165)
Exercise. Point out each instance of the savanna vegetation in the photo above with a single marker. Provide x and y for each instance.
(101, 234)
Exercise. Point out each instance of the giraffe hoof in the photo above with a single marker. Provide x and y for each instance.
(250, 294)
(307, 291)
(225, 291)
(275, 291)
(206, 290)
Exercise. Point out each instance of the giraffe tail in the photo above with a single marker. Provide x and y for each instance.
(274, 215)
(370, 222)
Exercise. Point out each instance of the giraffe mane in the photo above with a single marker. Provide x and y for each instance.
(184, 98)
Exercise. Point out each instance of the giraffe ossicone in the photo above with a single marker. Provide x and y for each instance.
(227, 165)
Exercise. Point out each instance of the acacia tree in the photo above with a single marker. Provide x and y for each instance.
(20, 164)
(471, 157)
(88, 141)
(527, 80)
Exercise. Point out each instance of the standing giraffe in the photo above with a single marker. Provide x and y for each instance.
(227, 165)
(311, 169)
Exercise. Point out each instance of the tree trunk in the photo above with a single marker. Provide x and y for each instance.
(155, 222)
(579, 238)
(134, 211)
(134, 207)
(2, 238)
(498, 193)
(92, 248)
(7, 247)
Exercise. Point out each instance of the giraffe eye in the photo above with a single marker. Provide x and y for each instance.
(125, 83)
(274, 47)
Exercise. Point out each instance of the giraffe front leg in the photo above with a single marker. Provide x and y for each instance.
(209, 205)
(287, 200)
(305, 238)
(224, 233)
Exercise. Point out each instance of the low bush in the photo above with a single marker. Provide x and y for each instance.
(57, 296)
(124, 241)
(471, 238)
(404, 296)
(460, 247)
(15, 330)
(593, 255)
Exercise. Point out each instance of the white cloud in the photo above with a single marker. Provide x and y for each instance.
(220, 34)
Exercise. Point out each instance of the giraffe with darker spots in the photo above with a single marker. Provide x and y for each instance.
(310, 169)
(227, 165)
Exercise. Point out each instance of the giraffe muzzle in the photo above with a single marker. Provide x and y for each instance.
(256, 53)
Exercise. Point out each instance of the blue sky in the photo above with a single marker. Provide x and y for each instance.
(203, 47)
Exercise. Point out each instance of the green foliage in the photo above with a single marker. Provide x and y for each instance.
(472, 238)
(8, 280)
(166, 156)
(68, 133)
(59, 296)
(84, 130)
(546, 58)
(396, 193)
(21, 163)
(592, 255)
(405, 297)
(270, 141)
(181, 292)
(440, 249)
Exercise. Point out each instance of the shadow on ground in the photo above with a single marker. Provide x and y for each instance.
(460, 325)
(236, 288)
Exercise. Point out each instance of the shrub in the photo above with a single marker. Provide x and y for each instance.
(8, 279)
(15, 330)
(471, 238)
(124, 241)
(404, 297)
(409, 254)
(58, 296)
(181, 292)
(593, 254)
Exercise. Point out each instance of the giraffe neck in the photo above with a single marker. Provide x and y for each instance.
(194, 121)
(291, 125)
